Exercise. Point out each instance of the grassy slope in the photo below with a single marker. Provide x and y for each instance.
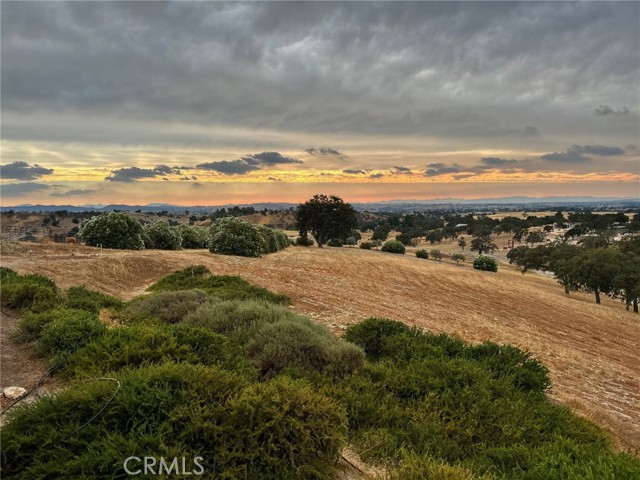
(591, 350)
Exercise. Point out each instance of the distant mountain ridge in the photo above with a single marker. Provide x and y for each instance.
(383, 205)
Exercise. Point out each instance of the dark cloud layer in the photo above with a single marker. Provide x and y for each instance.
(324, 151)
(131, 174)
(248, 163)
(578, 153)
(497, 162)
(461, 70)
(436, 169)
(23, 171)
(21, 189)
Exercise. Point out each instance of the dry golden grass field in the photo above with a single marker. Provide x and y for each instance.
(591, 350)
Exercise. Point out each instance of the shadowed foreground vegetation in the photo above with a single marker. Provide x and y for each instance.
(212, 366)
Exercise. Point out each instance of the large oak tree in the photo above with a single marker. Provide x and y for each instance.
(326, 218)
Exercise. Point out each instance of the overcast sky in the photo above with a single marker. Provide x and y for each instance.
(209, 103)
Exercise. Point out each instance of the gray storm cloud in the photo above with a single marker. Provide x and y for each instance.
(23, 171)
(423, 68)
(248, 163)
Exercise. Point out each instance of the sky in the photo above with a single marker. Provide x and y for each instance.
(202, 103)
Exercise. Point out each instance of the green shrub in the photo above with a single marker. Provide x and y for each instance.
(7, 274)
(415, 467)
(335, 242)
(140, 346)
(164, 307)
(394, 246)
(193, 237)
(69, 330)
(232, 236)
(302, 345)
(485, 263)
(279, 429)
(113, 230)
(224, 287)
(271, 243)
(436, 254)
(506, 361)
(304, 241)
(28, 292)
(283, 240)
(31, 324)
(458, 258)
(153, 412)
(372, 333)
(239, 319)
(162, 236)
(287, 431)
(367, 245)
(84, 299)
(422, 253)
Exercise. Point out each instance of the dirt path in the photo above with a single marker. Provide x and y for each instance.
(18, 365)
(592, 350)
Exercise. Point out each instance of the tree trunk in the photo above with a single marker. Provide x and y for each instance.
(566, 288)
(635, 305)
(319, 240)
(597, 292)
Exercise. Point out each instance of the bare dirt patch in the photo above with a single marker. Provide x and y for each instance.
(591, 350)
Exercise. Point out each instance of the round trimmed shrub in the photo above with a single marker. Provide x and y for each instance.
(422, 253)
(458, 258)
(193, 237)
(270, 244)
(239, 319)
(232, 236)
(162, 236)
(367, 245)
(436, 254)
(302, 344)
(113, 230)
(485, 263)
(394, 246)
(164, 307)
(335, 242)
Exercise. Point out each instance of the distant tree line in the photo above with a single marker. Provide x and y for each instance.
(611, 269)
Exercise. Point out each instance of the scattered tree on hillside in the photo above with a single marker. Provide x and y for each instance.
(535, 237)
(326, 218)
(595, 269)
(462, 242)
(381, 233)
(113, 230)
(483, 244)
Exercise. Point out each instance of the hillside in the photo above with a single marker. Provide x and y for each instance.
(591, 350)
